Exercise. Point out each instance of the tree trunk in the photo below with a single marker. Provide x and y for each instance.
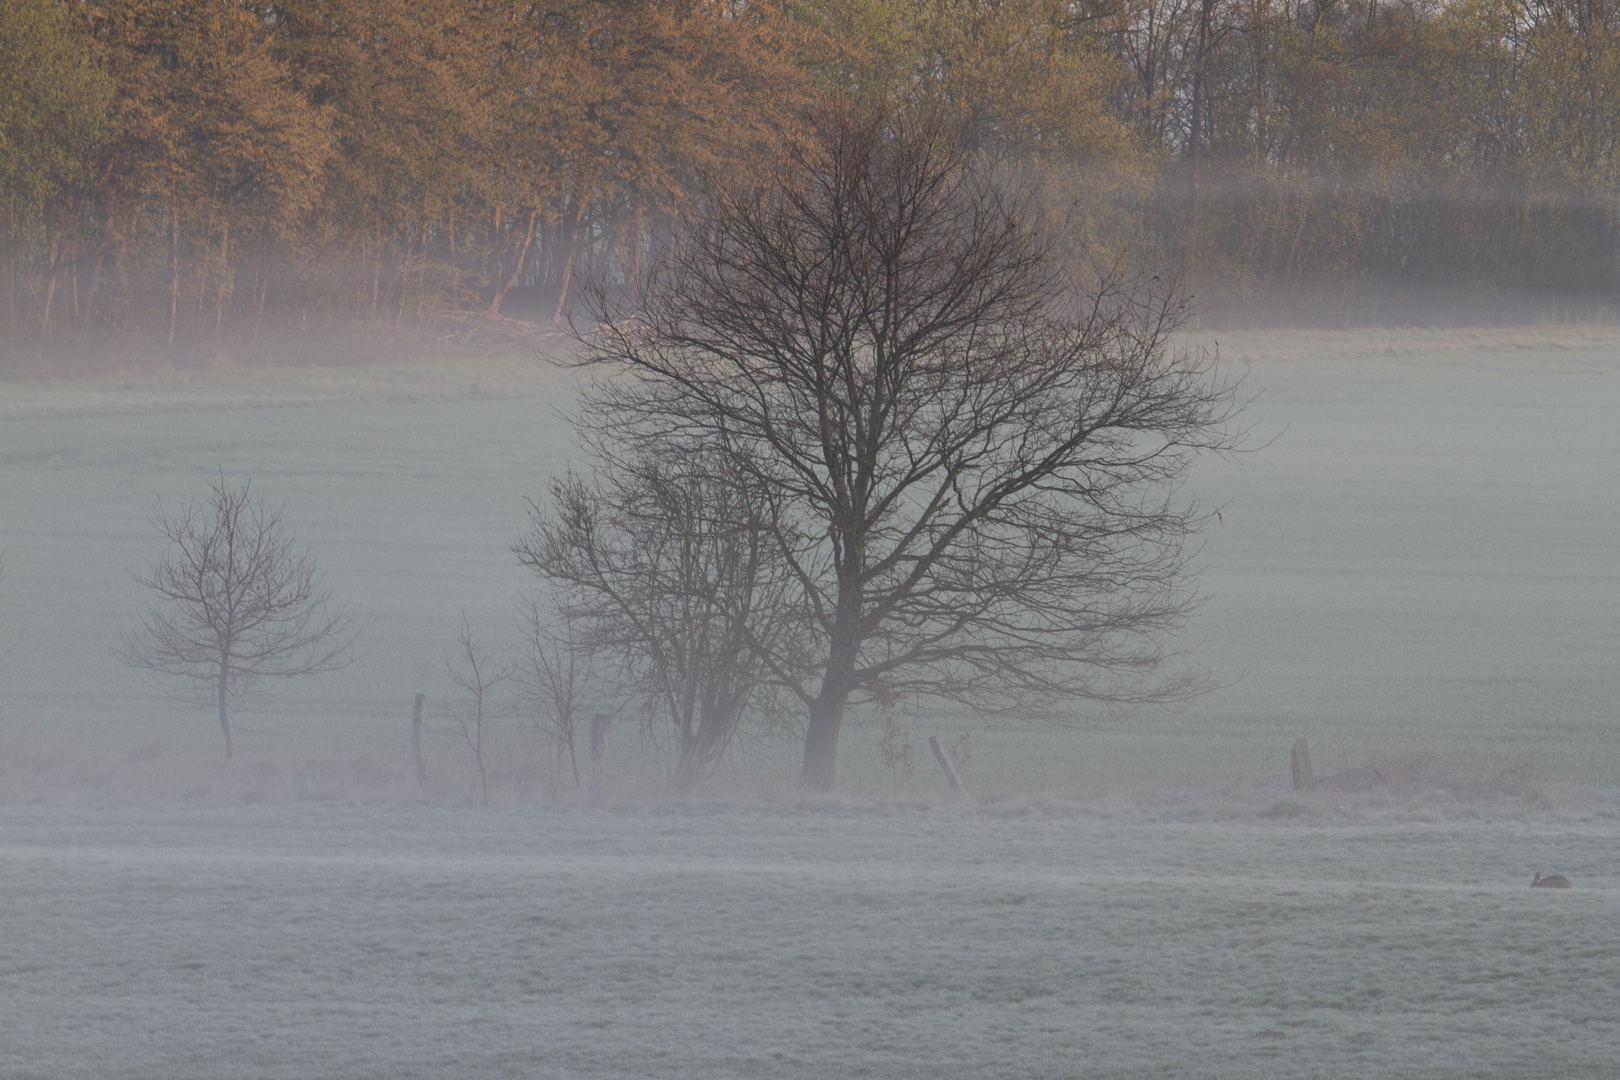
(260, 287)
(404, 281)
(224, 280)
(599, 730)
(1300, 760)
(224, 716)
(838, 681)
(492, 250)
(91, 291)
(174, 307)
(421, 273)
(204, 270)
(11, 265)
(1195, 134)
(478, 746)
(820, 770)
(376, 274)
(570, 245)
(50, 293)
(945, 764)
(416, 740)
(523, 253)
(633, 269)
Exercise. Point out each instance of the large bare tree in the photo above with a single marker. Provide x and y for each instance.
(969, 455)
(237, 600)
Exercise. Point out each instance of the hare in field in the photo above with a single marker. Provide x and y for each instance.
(1555, 881)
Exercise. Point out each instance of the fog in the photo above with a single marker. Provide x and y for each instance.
(1412, 557)
(1413, 568)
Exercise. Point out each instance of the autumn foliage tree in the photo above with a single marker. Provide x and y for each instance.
(217, 154)
(218, 181)
(54, 104)
(329, 178)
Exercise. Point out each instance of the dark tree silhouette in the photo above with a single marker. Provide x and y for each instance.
(479, 674)
(236, 601)
(966, 456)
(668, 567)
(558, 673)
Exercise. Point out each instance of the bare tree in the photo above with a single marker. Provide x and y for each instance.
(967, 455)
(667, 565)
(558, 673)
(237, 601)
(477, 672)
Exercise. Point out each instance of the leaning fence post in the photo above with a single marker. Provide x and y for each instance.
(1301, 761)
(416, 741)
(599, 729)
(945, 763)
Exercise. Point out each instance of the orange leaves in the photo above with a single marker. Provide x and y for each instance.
(635, 98)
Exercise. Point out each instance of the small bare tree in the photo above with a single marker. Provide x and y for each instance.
(477, 672)
(237, 601)
(556, 675)
(668, 566)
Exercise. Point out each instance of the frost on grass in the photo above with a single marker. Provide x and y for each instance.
(828, 941)
(308, 913)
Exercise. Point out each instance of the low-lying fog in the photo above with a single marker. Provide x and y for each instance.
(1416, 558)
(1415, 569)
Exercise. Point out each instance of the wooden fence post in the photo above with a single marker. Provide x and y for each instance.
(945, 763)
(599, 729)
(416, 741)
(1300, 759)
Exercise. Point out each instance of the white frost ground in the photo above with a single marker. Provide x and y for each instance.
(1420, 571)
(802, 941)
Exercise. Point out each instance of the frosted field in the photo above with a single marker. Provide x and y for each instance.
(1419, 573)
(1421, 565)
(801, 941)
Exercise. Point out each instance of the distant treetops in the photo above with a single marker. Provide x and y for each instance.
(211, 181)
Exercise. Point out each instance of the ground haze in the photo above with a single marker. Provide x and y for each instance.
(1414, 570)
(1419, 560)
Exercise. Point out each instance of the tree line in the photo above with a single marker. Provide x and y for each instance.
(214, 181)
(219, 181)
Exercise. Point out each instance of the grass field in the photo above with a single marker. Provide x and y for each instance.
(1415, 568)
(806, 941)
(1417, 560)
